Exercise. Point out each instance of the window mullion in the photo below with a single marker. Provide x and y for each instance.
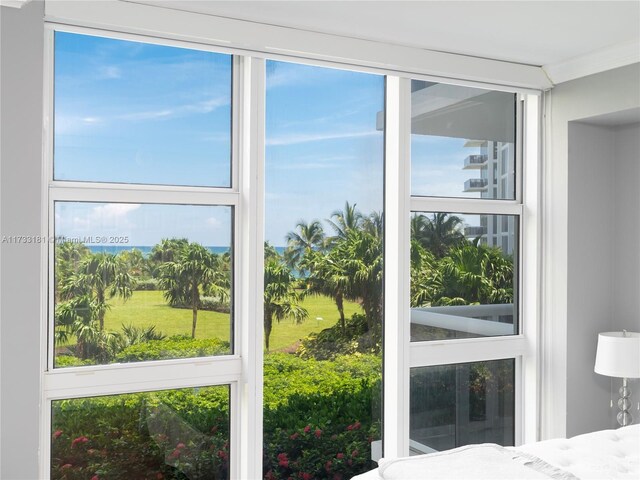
(251, 267)
(397, 267)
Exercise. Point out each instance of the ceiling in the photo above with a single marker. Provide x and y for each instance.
(530, 32)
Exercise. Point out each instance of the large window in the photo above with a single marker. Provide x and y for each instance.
(323, 271)
(236, 243)
(142, 211)
(464, 265)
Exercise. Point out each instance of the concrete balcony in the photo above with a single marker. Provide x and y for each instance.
(475, 185)
(474, 231)
(475, 162)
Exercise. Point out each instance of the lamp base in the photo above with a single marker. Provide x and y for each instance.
(624, 404)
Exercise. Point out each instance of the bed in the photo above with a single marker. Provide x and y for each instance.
(606, 454)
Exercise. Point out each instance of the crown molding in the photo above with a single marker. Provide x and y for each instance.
(607, 58)
(13, 3)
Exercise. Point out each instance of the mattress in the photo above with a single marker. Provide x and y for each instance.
(606, 454)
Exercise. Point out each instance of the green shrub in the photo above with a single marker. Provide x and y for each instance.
(71, 361)
(333, 341)
(172, 435)
(319, 420)
(212, 304)
(320, 416)
(147, 284)
(177, 346)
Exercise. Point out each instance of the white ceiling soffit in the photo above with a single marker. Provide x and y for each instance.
(569, 39)
(13, 3)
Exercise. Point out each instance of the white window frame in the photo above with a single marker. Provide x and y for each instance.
(401, 355)
(243, 370)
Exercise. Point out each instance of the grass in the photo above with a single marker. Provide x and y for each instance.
(150, 308)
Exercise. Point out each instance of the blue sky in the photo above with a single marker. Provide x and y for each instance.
(140, 113)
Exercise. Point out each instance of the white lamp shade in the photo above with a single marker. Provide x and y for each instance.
(618, 354)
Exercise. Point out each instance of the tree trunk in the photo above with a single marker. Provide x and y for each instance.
(268, 324)
(340, 305)
(100, 295)
(194, 309)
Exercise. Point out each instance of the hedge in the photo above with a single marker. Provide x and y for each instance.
(319, 420)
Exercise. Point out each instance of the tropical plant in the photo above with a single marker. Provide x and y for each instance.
(308, 237)
(193, 271)
(344, 220)
(100, 277)
(68, 257)
(437, 233)
(281, 300)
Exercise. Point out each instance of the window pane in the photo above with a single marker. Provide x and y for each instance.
(168, 435)
(137, 282)
(463, 276)
(462, 141)
(133, 112)
(455, 405)
(323, 272)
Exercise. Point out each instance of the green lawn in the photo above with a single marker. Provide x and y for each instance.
(150, 308)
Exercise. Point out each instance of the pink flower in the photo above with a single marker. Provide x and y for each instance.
(95, 477)
(328, 465)
(340, 456)
(306, 476)
(294, 436)
(222, 454)
(180, 445)
(318, 433)
(159, 476)
(57, 433)
(354, 453)
(175, 454)
(283, 461)
(66, 466)
(78, 440)
(269, 476)
(357, 425)
(307, 429)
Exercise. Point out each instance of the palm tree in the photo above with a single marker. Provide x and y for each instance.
(438, 233)
(426, 279)
(345, 220)
(310, 236)
(100, 277)
(280, 297)
(359, 255)
(476, 274)
(327, 277)
(194, 269)
(68, 257)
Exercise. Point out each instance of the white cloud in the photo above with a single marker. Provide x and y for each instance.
(204, 106)
(295, 138)
(109, 72)
(213, 222)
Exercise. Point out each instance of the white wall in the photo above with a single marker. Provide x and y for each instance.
(626, 281)
(607, 92)
(21, 68)
(590, 272)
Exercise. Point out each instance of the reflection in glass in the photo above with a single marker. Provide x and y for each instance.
(455, 405)
(133, 112)
(462, 141)
(463, 276)
(137, 282)
(323, 272)
(167, 435)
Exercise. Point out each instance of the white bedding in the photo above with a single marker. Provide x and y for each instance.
(606, 454)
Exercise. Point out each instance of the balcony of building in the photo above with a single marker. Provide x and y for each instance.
(475, 161)
(475, 185)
